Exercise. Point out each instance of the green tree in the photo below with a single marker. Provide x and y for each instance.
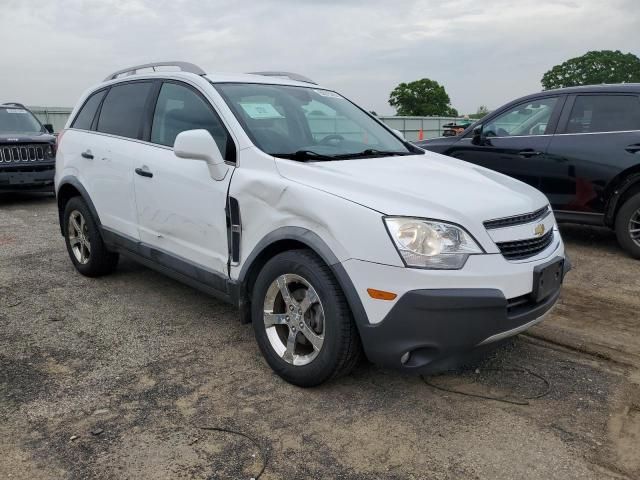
(422, 98)
(592, 68)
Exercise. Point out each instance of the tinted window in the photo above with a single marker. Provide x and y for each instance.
(18, 120)
(123, 109)
(604, 113)
(87, 113)
(180, 108)
(526, 119)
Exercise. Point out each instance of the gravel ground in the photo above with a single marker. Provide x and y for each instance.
(116, 378)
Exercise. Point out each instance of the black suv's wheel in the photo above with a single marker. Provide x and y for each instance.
(84, 243)
(301, 320)
(628, 226)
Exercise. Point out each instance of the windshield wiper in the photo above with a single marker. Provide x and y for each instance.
(304, 155)
(372, 152)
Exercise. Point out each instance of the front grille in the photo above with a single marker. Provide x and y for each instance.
(517, 219)
(521, 249)
(22, 153)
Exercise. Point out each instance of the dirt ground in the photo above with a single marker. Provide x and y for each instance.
(115, 378)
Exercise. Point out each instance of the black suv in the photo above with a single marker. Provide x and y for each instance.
(580, 146)
(27, 151)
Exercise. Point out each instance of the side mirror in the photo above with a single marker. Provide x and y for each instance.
(398, 133)
(48, 127)
(478, 136)
(200, 145)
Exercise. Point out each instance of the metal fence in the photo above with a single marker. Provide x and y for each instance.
(409, 126)
(56, 116)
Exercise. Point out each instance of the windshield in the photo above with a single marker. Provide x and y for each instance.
(18, 120)
(307, 123)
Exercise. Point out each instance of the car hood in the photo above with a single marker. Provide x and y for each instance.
(26, 137)
(429, 186)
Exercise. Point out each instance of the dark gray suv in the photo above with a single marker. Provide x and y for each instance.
(27, 151)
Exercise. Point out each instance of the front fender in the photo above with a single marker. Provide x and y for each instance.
(264, 250)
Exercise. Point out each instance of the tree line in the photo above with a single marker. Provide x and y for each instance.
(426, 97)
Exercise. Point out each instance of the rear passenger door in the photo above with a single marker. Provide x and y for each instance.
(109, 155)
(598, 137)
(180, 208)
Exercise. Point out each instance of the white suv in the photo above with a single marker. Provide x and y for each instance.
(331, 233)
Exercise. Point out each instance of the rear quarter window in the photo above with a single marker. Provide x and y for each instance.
(123, 109)
(604, 113)
(87, 113)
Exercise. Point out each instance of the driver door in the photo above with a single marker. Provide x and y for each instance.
(515, 142)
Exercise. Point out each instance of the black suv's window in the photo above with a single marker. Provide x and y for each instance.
(123, 109)
(18, 120)
(526, 119)
(87, 113)
(604, 113)
(179, 109)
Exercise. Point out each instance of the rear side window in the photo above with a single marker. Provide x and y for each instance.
(604, 113)
(123, 109)
(179, 109)
(87, 113)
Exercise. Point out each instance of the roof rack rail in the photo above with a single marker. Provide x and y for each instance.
(14, 104)
(183, 66)
(291, 76)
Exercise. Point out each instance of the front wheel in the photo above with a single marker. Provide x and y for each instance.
(628, 226)
(301, 320)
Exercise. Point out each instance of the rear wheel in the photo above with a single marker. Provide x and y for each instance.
(301, 320)
(84, 242)
(628, 226)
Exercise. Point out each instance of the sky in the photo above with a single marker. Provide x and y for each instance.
(484, 52)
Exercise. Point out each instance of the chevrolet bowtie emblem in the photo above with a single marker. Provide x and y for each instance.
(539, 230)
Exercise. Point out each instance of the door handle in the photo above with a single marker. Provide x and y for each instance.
(143, 172)
(633, 148)
(87, 154)
(529, 153)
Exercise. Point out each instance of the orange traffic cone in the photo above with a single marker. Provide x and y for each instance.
(420, 135)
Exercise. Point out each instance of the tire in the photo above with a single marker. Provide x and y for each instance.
(326, 342)
(86, 250)
(628, 220)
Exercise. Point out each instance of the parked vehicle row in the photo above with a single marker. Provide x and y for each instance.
(580, 146)
(332, 235)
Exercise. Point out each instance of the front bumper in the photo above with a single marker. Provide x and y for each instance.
(444, 323)
(440, 328)
(27, 178)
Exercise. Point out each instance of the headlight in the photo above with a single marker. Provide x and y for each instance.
(431, 244)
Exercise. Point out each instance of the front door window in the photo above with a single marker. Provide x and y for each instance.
(526, 119)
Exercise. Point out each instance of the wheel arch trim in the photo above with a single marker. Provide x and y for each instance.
(618, 188)
(315, 243)
(75, 183)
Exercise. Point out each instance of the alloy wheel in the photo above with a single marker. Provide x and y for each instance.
(294, 319)
(634, 227)
(79, 237)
